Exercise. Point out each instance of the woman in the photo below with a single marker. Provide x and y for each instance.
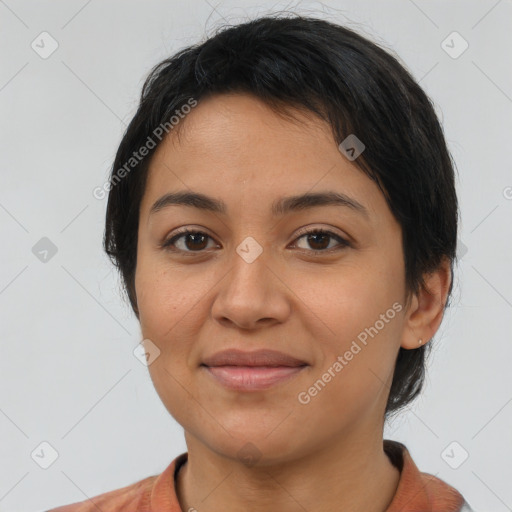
(283, 213)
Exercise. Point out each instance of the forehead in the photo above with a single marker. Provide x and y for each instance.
(230, 145)
(238, 125)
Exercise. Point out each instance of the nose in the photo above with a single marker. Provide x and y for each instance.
(251, 294)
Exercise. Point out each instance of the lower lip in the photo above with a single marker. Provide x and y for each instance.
(247, 378)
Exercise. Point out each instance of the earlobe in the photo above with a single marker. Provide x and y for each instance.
(427, 308)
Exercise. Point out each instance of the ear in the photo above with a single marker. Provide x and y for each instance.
(425, 313)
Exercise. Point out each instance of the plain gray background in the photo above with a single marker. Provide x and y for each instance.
(68, 374)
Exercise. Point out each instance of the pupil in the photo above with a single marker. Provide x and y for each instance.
(313, 236)
(193, 236)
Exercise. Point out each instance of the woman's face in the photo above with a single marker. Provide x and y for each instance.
(255, 280)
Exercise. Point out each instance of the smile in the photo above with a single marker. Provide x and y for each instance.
(252, 378)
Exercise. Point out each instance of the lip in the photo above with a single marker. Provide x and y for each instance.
(252, 378)
(252, 371)
(259, 358)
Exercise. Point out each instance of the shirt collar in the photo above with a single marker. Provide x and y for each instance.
(415, 491)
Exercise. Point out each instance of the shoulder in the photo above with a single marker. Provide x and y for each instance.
(443, 496)
(134, 495)
(418, 490)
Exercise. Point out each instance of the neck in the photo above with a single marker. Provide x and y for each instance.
(355, 476)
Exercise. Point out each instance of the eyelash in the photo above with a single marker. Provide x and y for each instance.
(168, 244)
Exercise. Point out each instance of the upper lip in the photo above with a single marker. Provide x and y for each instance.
(234, 357)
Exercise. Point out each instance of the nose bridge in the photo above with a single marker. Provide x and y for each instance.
(250, 291)
(249, 267)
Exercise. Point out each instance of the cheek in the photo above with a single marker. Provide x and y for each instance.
(169, 309)
(172, 312)
(357, 317)
(164, 297)
(357, 362)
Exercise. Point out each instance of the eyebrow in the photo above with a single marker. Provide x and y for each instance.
(280, 207)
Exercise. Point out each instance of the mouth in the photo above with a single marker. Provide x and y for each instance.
(256, 370)
(255, 358)
(252, 378)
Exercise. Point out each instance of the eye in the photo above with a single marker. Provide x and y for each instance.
(193, 240)
(196, 241)
(317, 238)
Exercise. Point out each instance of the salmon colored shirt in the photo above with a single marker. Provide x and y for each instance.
(416, 491)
